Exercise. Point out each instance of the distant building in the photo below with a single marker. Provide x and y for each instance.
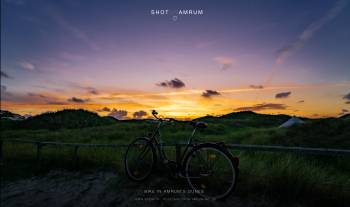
(291, 122)
(14, 118)
(11, 116)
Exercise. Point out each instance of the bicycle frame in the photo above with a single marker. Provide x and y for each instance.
(196, 172)
(159, 146)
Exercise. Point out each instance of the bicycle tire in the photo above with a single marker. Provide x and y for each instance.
(131, 173)
(230, 160)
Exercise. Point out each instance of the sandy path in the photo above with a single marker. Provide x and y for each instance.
(62, 188)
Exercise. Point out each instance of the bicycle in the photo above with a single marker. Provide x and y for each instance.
(210, 169)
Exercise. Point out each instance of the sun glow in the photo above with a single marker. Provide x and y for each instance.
(189, 103)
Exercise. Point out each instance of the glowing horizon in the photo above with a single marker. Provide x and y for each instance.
(178, 103)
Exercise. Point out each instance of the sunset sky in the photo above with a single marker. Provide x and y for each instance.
(115, 58)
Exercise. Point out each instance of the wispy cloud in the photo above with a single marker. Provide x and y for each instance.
(89, 89)
(309, 32)
(256, 86)
(283, 95)
(210, 93)
(118, 114)
(37, 95)
(139, 114)
(263, 106)
(75, 31)
(56, 103)
(27, 65)
(31, 98)
(166, 95)
(174, 83)
(93, 91)
(343, 112)
(347, 96)
(77, 100)
(225, 62)
(4, 93)
(49, 99)
(5, 75)
(104, 109)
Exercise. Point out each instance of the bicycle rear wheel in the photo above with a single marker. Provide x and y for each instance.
(140, 159)
(211, 171)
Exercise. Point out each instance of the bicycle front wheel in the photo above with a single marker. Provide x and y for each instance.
(140, 158)
(211, 171)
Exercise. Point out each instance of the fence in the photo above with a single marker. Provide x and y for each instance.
(178, 146)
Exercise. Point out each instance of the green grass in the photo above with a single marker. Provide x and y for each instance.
(294, 179)
(311, 180)
(309, 135)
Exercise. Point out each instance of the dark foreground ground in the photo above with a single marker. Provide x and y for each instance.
(64, 188)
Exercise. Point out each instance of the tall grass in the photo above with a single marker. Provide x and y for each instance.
(295, 178)
(317, 181)
(283, 177)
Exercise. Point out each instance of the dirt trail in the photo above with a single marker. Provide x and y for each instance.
(63, 188)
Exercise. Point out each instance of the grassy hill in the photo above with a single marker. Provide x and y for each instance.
(247, 119)
(65, 119)
(239, 127)
(7, 114)
(6, 123)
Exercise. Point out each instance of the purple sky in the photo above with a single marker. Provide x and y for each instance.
(115, 54)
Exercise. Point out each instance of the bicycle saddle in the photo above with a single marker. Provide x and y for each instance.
(199, 124)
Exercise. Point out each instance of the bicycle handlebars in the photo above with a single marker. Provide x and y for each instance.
(155, 113)
(192, 123)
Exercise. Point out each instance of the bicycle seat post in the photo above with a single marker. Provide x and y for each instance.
(192, 135)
